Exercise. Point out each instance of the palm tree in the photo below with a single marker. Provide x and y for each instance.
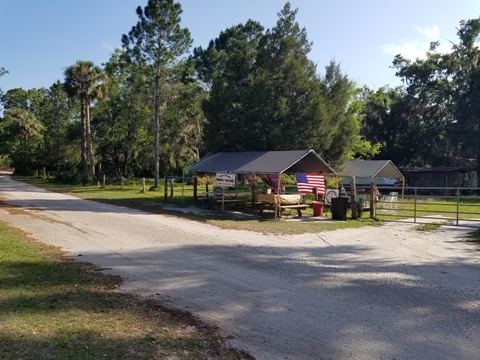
(85, 81)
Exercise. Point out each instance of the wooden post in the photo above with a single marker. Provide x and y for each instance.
(122, 183)
(353, 196)
(165, 188)
(195, 194)
(315, 194)
(183, 185)
(171, 188)
(223, 198)
(372, 199)
(103, 181)
(143, 185)
(253, 196)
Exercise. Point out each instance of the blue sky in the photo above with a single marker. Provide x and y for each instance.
(40, 38)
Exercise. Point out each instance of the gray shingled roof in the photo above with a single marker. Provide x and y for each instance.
(370, 169)
(263, 162)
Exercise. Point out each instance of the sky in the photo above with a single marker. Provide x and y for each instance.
(39, 39)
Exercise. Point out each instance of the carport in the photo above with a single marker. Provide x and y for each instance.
(263, 162)
(370, 169)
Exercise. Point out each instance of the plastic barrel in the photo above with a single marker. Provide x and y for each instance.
(339, 208)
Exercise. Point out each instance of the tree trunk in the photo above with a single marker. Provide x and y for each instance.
(83, 144)
(89, 140)
(157, 132)
(478, 168)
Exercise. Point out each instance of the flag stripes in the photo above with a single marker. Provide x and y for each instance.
(307, 182)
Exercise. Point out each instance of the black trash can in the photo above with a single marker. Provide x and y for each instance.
(339, 208)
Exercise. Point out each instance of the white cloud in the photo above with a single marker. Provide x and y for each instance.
(110, 48)
(417, 48)
(432, 33)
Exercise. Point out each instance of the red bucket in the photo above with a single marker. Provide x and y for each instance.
(317, 208)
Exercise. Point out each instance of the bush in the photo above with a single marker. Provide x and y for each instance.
(360, 206)
(68, 174)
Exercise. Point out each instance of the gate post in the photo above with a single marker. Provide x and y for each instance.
(195, 194)
(372, 199)
(458, 204)
(415, 207)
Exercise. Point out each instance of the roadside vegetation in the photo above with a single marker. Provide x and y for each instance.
(431, 226)
(55, 308)
(474, 237)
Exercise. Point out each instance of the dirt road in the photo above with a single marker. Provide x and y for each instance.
(373, 293)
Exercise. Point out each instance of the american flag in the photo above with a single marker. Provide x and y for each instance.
(306, 183)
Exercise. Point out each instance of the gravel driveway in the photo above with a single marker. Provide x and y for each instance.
(372, 293)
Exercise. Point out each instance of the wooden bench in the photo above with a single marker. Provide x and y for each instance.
(298, 207)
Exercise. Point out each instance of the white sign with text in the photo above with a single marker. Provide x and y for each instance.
(225, 179)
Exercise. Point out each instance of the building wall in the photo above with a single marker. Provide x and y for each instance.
(432, 178)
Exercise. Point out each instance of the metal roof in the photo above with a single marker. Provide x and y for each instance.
(263, 162)
(370, 169)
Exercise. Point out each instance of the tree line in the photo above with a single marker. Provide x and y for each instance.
(156, 106)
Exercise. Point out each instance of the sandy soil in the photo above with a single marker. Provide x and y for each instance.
(378, 292)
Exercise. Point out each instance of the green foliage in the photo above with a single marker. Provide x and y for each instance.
(85, 82)
(67, 173)
(86, 178)
(435, 118)
(121, 121)
(22, 140)
(265, 93)
(360, 206)
(433, 226)
(474, 236)
(227, 69)
(57, 114)
(2, 72)
(387, 123)
(340, 126)
(156, 43)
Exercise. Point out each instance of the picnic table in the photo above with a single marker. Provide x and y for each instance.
(284, 201)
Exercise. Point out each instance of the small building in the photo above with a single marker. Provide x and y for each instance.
(445, 176)
(469, 178)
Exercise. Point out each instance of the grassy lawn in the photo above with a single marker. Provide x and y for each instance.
(55, 308)
(468, 208)
(153, 201)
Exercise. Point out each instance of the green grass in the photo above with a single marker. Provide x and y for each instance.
(431, 226)
(154, 201)
(467, 208)
(474, 236)
(55, 308)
